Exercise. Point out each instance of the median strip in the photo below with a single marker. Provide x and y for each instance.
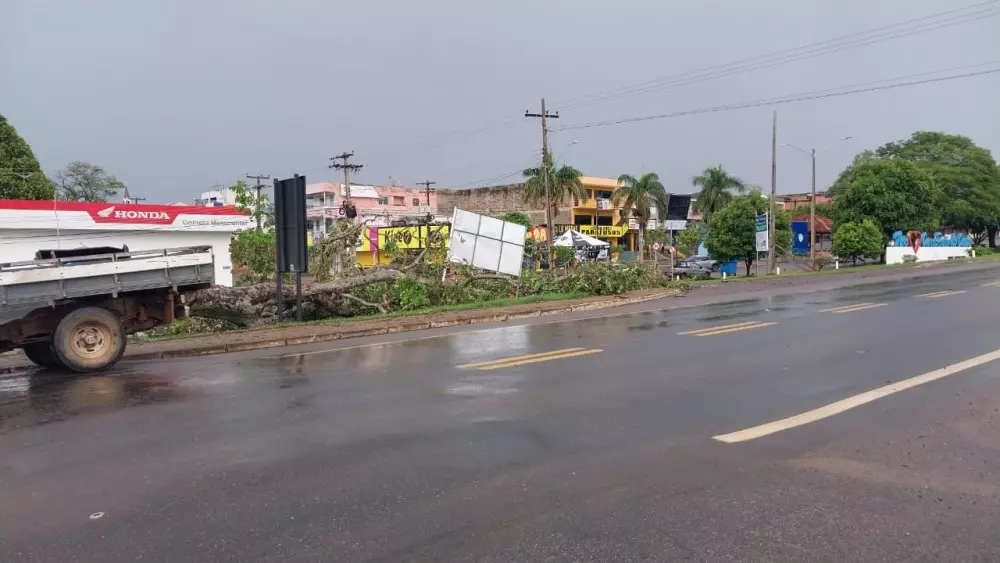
(852, 402)
(724, 329)
(530, 358)
(852, 308)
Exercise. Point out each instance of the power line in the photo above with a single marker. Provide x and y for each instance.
(427, 189)
(258, 177)
(853, 40)
(939, 20)
(347, 168)
(814, 95)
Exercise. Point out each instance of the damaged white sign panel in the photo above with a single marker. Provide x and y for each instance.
(486, 242)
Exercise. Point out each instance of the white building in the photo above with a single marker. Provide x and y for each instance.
(29, 226)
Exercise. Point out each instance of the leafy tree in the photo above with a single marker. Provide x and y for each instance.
(258, 207)
(21, 177)
(895, 194)
(82, 181)
(691, 236)
(517, 217)
(564, 182)
(858, 239)
(637, 196)
(717, 188)
(965, 174)
(732, 232)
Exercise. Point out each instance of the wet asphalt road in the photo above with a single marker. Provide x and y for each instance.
(600, 451)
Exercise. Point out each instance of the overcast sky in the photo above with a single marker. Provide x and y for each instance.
(173, 96)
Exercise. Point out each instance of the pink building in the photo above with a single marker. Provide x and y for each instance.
(380, 206)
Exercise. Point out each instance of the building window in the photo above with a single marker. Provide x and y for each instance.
(398, 201)
(416, 202)
(383, 201)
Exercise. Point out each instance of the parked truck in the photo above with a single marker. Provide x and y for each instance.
(74, 310)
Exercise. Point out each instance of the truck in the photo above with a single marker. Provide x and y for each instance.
(73, 310)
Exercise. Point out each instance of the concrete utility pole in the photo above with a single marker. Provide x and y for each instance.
(549, 227)
(347, 168)
(812, 199)
(772, 254)
(258, 177)
(427, 189)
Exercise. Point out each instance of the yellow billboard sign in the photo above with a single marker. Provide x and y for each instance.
(604, 231)
(410, 237)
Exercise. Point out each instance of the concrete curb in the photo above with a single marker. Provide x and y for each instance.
(393, 326)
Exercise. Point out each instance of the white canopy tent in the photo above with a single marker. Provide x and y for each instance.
(585, 247)
(577, 239)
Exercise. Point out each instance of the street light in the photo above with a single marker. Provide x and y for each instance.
(812, 197)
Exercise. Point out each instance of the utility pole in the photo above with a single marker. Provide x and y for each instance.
(258, 212)
(427, 190)
(347, 167)
(812, 214)
(549, 227)
(772, 250)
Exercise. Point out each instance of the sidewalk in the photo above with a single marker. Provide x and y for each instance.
(224, 342)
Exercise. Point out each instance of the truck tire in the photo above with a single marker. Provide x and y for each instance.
(89, 339)
(41, 354)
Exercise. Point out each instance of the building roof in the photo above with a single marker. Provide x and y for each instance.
(823, 224)
(595, 182)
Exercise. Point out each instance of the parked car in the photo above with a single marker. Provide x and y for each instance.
(705, 262)
(690, 270)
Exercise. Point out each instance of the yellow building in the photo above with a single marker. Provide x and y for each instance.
(597, 217)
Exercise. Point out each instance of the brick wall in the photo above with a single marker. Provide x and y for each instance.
(494, 200)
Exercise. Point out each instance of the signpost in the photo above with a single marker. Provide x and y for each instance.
(761, 238)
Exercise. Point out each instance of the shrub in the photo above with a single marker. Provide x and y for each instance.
(910, 259)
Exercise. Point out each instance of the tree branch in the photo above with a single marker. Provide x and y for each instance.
(361, 301)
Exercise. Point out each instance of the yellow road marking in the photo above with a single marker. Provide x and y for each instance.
(714, 328)
(725, 329)
(852, 308)
(513, 358)
(937, 294)
(548, 358)
(992, 284)
(855, 401)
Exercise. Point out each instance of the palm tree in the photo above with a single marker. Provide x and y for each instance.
(717, 188)
(637, 196)
(564, 182)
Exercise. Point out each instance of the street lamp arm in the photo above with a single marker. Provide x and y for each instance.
(803, 151)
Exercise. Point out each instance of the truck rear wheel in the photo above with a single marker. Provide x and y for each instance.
(41, 354)
(89, 339)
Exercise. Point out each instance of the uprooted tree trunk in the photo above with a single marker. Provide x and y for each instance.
(257, 304)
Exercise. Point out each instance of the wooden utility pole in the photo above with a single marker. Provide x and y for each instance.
(549, 227)
(427, 190)
(347, 168)
(257, 212)
(772, 248)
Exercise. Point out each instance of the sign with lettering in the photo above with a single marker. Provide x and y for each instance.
(411, 237)
(603, 231)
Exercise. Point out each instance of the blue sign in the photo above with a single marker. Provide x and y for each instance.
(938, 240)
(800, 237)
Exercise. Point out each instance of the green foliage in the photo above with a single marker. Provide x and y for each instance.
(654, 236)
(186, 326)
(563, 254)
(690, 237)
(564, 182)
(517, 217)
(910, 259)
(858, 239)
(983, 251)
(717, 190)
(732, 233)
(965, 175)
(21, 176)
(412, 294)
(248, 202)
(253, 255)
(894, 193)
(83, 181)
(603, 278)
